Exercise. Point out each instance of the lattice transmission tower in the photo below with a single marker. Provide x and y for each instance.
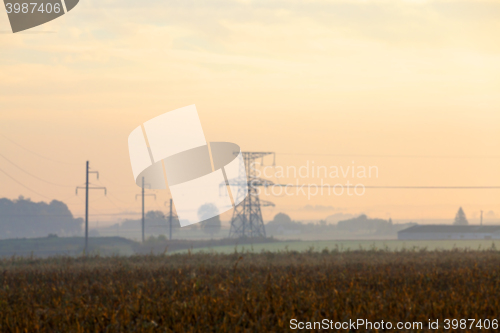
(247, 216)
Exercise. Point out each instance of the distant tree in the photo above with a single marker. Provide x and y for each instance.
(281, 223)
(491, 214)
(93, 233)
(211, 224)
(25, 218)
(460, 218)
(151, 239)
(281, 218)
(156, 222)
(155, 215)
(364, 224)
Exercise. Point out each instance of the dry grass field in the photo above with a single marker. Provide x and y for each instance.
(246, 292)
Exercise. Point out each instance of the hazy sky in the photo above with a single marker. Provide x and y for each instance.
(381, 78)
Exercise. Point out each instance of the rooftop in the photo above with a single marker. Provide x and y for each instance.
(436, 228)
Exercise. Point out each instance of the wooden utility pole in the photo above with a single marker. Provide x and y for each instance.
(143, 209)
(171, 217)
(87, 188)
(170, 220)
(143, 216)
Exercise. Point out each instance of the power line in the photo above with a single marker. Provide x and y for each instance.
(158, 205)
(26, 187)
(114, 204)
(114, 214)
(391, 156)
(90, 201)
(32, 175)
(37, 215)
(437, 187)
(120, 185)
(111, 194)
(35, 153)
(73, 196)
(396, 187)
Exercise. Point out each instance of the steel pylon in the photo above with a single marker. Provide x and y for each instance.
(247, 216)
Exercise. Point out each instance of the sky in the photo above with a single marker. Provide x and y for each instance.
(409, 87)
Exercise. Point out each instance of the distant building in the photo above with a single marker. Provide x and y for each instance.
(429, 232)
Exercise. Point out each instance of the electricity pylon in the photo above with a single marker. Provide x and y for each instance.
(247, 216)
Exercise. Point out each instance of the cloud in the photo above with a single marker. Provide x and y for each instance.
(318, 208)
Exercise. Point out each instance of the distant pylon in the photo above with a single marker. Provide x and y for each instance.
(247, 216)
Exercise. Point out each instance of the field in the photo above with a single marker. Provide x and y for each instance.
(109, 246)
(67, 246)
(351, 245)
(252, 292)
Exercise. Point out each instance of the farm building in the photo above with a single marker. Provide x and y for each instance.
(420, 232)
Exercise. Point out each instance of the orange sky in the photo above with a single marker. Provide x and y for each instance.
(395, 83)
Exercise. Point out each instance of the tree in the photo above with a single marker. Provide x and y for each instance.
(280, 223)
(156, 218)
(364, 224)
(156, 223)
(25, 218)
(155, 215)
(211, 224)
(282, 218)
(460, 218)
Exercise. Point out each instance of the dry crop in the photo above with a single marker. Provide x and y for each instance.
(245, 292)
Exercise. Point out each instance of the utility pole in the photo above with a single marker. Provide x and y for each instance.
(143, 195)
(143, 209)
(171, 217)
(481, 217)
(87, 188)
(170, 220)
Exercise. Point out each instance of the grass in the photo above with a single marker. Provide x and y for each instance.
(351, 245)
(69, 246)
(109, 246)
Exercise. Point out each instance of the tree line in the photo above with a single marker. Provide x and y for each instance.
(22, 217)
